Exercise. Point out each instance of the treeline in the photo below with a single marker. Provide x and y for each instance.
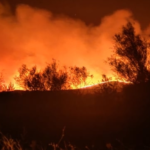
(51, 78)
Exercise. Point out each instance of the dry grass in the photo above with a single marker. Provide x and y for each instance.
(8, 143)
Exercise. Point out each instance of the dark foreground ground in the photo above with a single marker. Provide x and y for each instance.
(88, 118)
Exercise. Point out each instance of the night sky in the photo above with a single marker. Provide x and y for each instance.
(90, 11)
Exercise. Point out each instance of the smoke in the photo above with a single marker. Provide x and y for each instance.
(34, 36)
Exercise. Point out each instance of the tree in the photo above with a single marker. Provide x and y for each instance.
(129, 59)
(30, 79)
(51, 78)
(54, 78)
(78, 76)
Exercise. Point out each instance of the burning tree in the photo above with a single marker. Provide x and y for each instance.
(51, 78)
(55, 79)
(129, 60)
(78, 76)
(29, 79)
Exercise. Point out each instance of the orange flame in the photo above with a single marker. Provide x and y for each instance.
(35, 36)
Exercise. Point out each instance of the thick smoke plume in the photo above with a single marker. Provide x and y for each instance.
(33, 36)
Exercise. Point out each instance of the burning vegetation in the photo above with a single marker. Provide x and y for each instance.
(129, 63)
(118, 103)
(51, 78)
(33, 37)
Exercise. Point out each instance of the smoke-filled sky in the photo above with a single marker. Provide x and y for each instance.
(90, 11)
(72, 32)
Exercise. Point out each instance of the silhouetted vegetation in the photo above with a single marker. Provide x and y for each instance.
(8, 143)
(129, 60)
(4, 87)
(78, 76)
(51, 78)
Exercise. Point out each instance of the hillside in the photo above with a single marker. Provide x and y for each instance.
(87, 116)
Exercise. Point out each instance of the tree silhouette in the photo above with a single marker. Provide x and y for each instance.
(51, 78)
(55, 79)
(129, 60)
(29, 79)
(78, 76)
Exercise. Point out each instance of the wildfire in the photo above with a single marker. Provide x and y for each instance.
(92, 85)
(35, 36)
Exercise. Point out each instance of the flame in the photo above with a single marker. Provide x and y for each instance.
(120, 81)
(34, 36)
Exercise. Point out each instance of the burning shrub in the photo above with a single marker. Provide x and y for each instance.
(51, 78)
(129, 60)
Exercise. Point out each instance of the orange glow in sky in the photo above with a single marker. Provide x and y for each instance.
(34, 36)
